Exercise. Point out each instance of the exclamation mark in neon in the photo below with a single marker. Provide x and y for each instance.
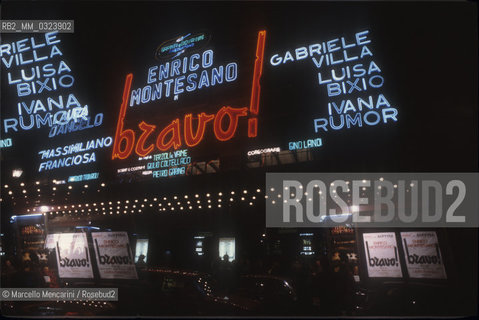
(256, 88)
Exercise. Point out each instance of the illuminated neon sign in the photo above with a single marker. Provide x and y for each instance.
(73, 126)
(182, 75)
(5, 143)
(131, 169)
(84, 177)
(180, 133)
(364, 111)
(261, 151)
(175, 47)
(348, 72)
(33, 71)
(69, 156)
(169, 163)
(328, 53)
(305, 144)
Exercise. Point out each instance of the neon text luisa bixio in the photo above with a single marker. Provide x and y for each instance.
(180, 132)
(353, 81)
(42, 81)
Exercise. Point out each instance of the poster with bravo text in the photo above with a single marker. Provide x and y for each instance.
(73, 257)
(381, 252)
(113, 255)
(422, 255)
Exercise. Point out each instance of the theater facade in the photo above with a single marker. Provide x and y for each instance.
(157, 132)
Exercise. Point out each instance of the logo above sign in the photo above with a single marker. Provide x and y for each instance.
(175, 47)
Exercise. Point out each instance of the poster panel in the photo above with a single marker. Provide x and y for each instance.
(113, 255)
(381, 252)
(227, 247)
(422, 255)
(141, 249)
(73, 257)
